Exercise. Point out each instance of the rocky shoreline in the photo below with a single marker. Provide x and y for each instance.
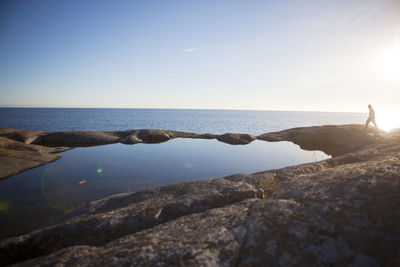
(24, 149)
(341, 211)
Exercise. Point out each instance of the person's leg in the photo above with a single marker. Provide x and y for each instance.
(374, 122)
(367, 122)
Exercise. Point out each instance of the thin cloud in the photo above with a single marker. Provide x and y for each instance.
(191, 49)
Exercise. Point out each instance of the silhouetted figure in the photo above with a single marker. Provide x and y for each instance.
(371, 117)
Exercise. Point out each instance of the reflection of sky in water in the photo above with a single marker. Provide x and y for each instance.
(32, 198)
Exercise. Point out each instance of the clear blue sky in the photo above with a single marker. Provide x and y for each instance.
(282, 55)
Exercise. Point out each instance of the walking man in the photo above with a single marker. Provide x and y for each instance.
(371, 117)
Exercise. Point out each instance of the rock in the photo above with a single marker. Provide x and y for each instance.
(130, 139)
(25, 136)
(340, 211)
(77, 138)
(334, 140)
(348, 215)
(143, 136)
(314, 214)
(207, 136)
(236, 139)
(13, 162)
(105, 220)
(178, 134)
(344, 159)
(16, 157)
(157, 136)
(153, 136)
(211, 238)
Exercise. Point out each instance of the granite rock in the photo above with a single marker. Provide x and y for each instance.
(24, 136)
(340, 211)
(236, 139)
(332, 139)
(16, 157)
(76, 138)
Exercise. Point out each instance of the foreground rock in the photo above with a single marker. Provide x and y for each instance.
(340, 211)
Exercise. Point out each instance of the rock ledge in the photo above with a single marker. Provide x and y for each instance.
(340, 211)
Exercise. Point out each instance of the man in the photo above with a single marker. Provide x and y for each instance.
(371, 117)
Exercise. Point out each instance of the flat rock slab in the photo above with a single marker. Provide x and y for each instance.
(332, 139)
(16, 157)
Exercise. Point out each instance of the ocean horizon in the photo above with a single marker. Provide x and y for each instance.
(216, 121)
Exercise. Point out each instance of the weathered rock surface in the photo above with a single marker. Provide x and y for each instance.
(332, 139)
(16, 157)
(25, 136)
(77, 138)
(340, 211)
(236, 139)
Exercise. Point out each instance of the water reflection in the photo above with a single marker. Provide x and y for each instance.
(34, 197)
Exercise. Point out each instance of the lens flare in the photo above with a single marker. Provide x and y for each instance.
(56, 189)
(4, 206)
(99, 170)
(82, 181)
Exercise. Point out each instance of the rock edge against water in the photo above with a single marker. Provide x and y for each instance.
(340, 211)
(24, 149)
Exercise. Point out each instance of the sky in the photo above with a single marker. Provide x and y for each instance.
(337, 55)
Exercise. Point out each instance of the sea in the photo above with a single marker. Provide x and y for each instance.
(190, 120)
(37, 196)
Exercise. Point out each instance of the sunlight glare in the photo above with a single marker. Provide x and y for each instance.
(388, 120)
(388, 63)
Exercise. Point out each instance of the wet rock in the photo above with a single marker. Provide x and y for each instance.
(236, 139)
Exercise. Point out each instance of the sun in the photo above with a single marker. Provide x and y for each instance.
(388, 63)
(388, 120)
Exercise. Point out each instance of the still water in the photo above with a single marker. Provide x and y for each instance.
(36, 196)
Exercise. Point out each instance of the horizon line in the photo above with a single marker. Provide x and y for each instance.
(228, 109)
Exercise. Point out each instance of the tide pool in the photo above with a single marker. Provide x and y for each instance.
(34, 197)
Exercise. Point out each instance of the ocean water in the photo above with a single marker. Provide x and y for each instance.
(197, 121)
